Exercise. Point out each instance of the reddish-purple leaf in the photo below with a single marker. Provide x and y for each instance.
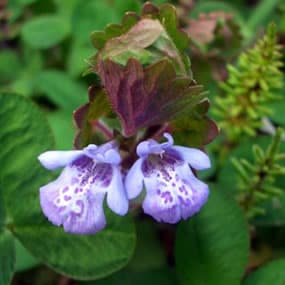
(143, 97)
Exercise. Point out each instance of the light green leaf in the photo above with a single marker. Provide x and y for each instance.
(95, 15)
(64, 91)
(162, 276)
(45, 31)
(79, 52)
(63, 129)
(272, 273)
(7, 257)
(212, 247)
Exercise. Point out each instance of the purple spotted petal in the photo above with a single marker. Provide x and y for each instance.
(75, 199)
(173, 192)
(134, 180)
(117, 197)
(89, 217)
(55, 159)
(195, 157)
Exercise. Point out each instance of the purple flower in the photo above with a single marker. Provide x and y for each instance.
(75, 198)
(172, 190)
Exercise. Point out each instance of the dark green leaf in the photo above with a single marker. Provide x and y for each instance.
(9, 66)
(272, 273)
(7, 257)
(212, 247)
(24, 260)
(82, 257)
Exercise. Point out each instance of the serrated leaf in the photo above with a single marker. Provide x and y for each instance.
(271, 273)
(45, 31)
(143, 97)
(7, 257)
(99, 38)
(205, 253)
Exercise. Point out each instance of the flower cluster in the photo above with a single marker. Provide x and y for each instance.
(75, 199)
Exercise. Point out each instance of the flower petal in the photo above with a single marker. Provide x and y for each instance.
(155, 205)
(117, 198)
(55, 159)
(134, 180)
(48, 194)
(195, 157)
(197, 190)
(161, 201)
(90, 218)
(75, 199)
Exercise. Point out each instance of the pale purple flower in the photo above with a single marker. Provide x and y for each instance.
(172, 190)
(75, 199)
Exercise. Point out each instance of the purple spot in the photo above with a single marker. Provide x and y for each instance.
(74, 180)
(76, 190)
(166, 196)
(183, 202)
(67, 198)
(65, 189)
(173, 184)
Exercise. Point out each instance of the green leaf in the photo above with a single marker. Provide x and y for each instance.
(76, 58)
(165, 276)
(45, 31)
(149, 253)
(7, 258)
(212, 247)
(24, 260)
(81, 257)
(272, 273)
(61, 123)
(95, 15)
(9, 66)
(24, 135)
(274, 212)
(16, 8)
(64, 91)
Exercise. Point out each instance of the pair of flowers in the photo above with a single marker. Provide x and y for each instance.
(75, 199)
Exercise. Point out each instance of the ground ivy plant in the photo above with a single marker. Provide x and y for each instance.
(153, 184)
